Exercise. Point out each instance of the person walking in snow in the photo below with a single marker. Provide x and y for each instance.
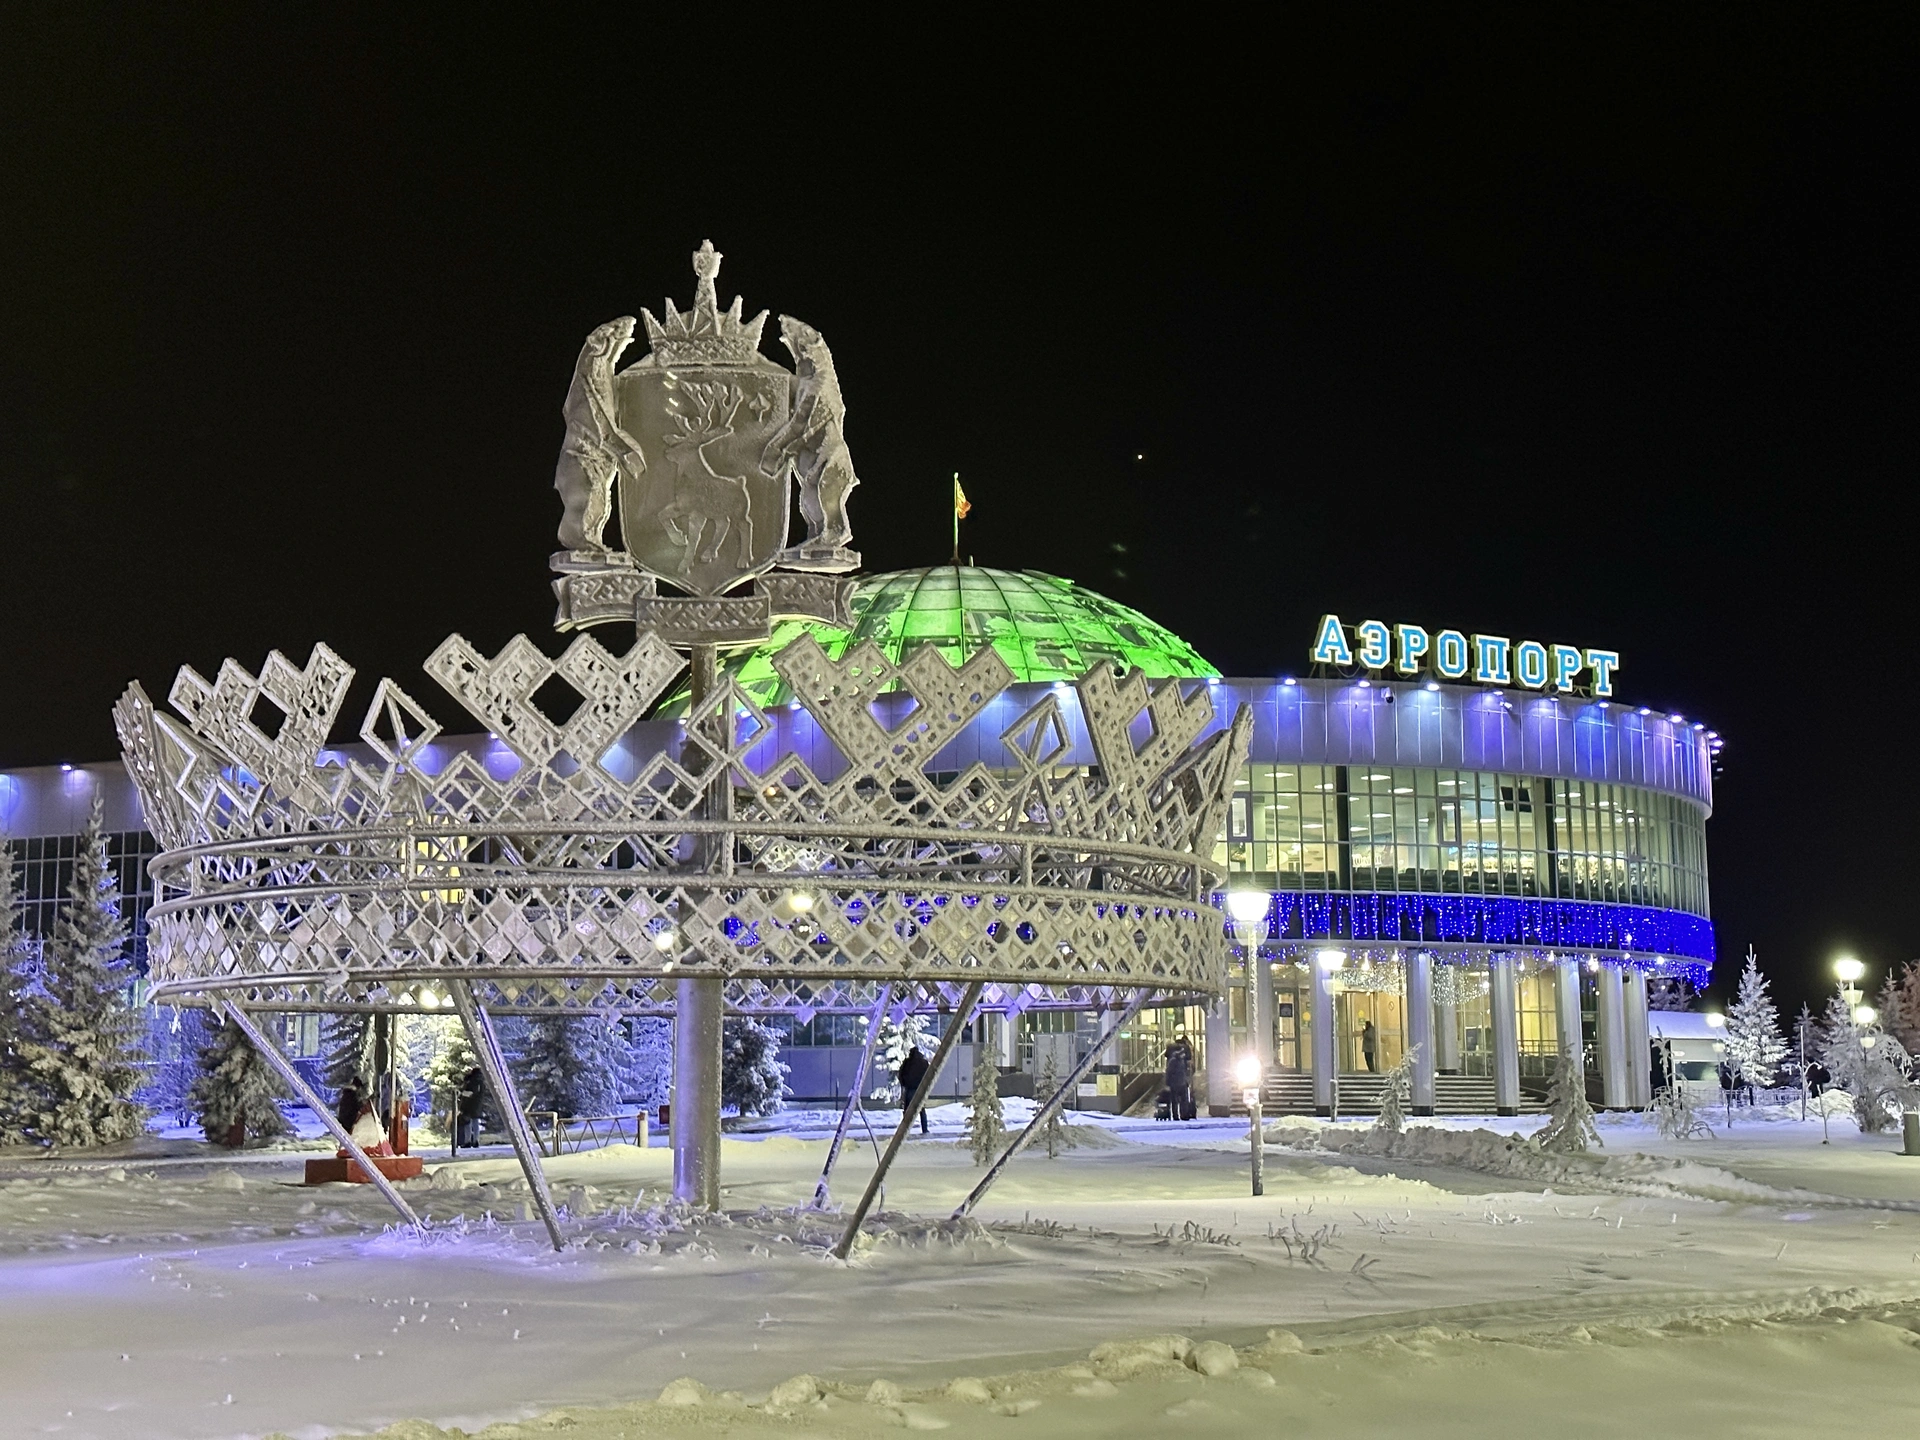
(472, 1086)
(912, 1071)
(1370, 1047)
(348, 1111)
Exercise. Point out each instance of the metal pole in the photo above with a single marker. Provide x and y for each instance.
(699, 1009)
(1259, 1146)
(270, 1052)
(1046, 1111)
(493, 1067)
(909, 1110)
(820, 1196)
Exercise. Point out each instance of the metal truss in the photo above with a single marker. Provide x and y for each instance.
(591, 879)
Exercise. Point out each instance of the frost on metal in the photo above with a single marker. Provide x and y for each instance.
(576, 884)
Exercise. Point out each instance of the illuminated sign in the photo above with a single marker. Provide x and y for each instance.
(1450, 655)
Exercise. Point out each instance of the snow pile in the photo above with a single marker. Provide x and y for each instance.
(1516, 1158)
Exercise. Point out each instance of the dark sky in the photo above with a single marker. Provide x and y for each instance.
(1595, 334)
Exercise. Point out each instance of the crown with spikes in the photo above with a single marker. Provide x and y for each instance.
(707, 336)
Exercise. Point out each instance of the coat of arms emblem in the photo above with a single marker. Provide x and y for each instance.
(700, 442)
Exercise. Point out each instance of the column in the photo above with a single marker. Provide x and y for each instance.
(1323, 1036)
(1260, 1015)
(1638, 1046)
(1611, 1012)
(1446, 1029)
(698, 1009)
(1506, 1035)
(1420, 1028)
(1219, 1058)
(1005, 1027)
(1566, 1003)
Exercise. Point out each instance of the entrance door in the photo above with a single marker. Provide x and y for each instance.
(1289, 1025)
(1385, 1010)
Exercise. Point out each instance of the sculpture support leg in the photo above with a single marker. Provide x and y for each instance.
(699, 1010)
(854, 1092)
(270, 1052)
(909, 1111)
(1046, 1111)
(493, 1067)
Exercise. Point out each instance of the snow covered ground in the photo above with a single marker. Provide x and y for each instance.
(1698, 1288)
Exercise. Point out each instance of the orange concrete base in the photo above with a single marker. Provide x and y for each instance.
(394, 1167)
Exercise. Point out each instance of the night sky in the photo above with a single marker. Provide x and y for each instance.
(1598, 335)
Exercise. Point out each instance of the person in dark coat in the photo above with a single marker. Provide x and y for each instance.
(1370, 1047)
(912, 1071)
(1179, 1058)
(1818, 1077)
(472, 1097)
(351, 1103)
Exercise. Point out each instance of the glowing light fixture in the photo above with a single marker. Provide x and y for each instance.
(664, 941)
(1716, 1021)
(1330, 960)
(1848, 970)
(1248, 907)
(1865, 1014)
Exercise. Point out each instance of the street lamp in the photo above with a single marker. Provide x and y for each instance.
(1848, 971)
(1247, 911)
(1247, 1072)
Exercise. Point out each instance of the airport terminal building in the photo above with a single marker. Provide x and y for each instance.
(1470, 847)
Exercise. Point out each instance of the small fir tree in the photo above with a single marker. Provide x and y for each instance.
(986, 1120)
(1569, 1129)
(1900, 1007)
(648, 1077)
(82, 1040)
(1673, 1112)
(20, 1094)
(1056, 1134)
(1868, 1063)
(1396, 1094)
(237, 1094)
(1755, 1046)
(890, 1053)
(569, 1064)
(1670, 992)
(753, 1079)
(447, 1073)
(347, 1042)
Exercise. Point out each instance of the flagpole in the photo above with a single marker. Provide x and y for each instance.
(956, 519)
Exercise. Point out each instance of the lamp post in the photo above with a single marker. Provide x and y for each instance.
(1848, 971)
(1247, 911)
(1248, 1072)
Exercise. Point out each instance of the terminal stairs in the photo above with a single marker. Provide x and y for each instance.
(1288, 1092)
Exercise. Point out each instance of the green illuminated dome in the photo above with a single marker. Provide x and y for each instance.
(1044, 627)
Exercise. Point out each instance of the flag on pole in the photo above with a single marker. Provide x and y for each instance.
(961, 505)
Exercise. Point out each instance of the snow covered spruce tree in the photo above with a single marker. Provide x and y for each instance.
(986, 1120)
(81, 1039)
(19, 1089)
(347, 1042)
(1755, 1046)
(1673, 1112)
(1868, 1063)
(1056, 1134)
(648, 1078)
(896, 1039)
(237, 1094)
(1569, 1129)
(1900, 1006)
(446, 1073)
(753, 1079)
(1396, 1094)
(569, 1064)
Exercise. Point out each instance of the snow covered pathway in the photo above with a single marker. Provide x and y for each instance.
(244, 1304)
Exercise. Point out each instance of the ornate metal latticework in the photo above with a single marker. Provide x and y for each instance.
(580, 883)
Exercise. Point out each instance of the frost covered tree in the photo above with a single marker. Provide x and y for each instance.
(1868, 1063)
(1569, 1129)
(569, 1064)
(1755, 1046)
(1673, 1112)
(346, 1040)
(1673, 992)
(81, 1039)
(753, 1079)
(1900, 1006)
(1396, 1093)
(19, 1092)
(237, 1093)
(1056, 1134)
(986, 1120)
(447, 1072)
(648, 1079)
(890, 1051)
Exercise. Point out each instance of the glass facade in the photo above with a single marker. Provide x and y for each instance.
(1393, 828)
(44, 870)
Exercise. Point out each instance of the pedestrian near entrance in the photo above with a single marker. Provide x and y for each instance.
(1370, 1047)
(472, 1087)
(1179, 1079)
(912, 1071)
